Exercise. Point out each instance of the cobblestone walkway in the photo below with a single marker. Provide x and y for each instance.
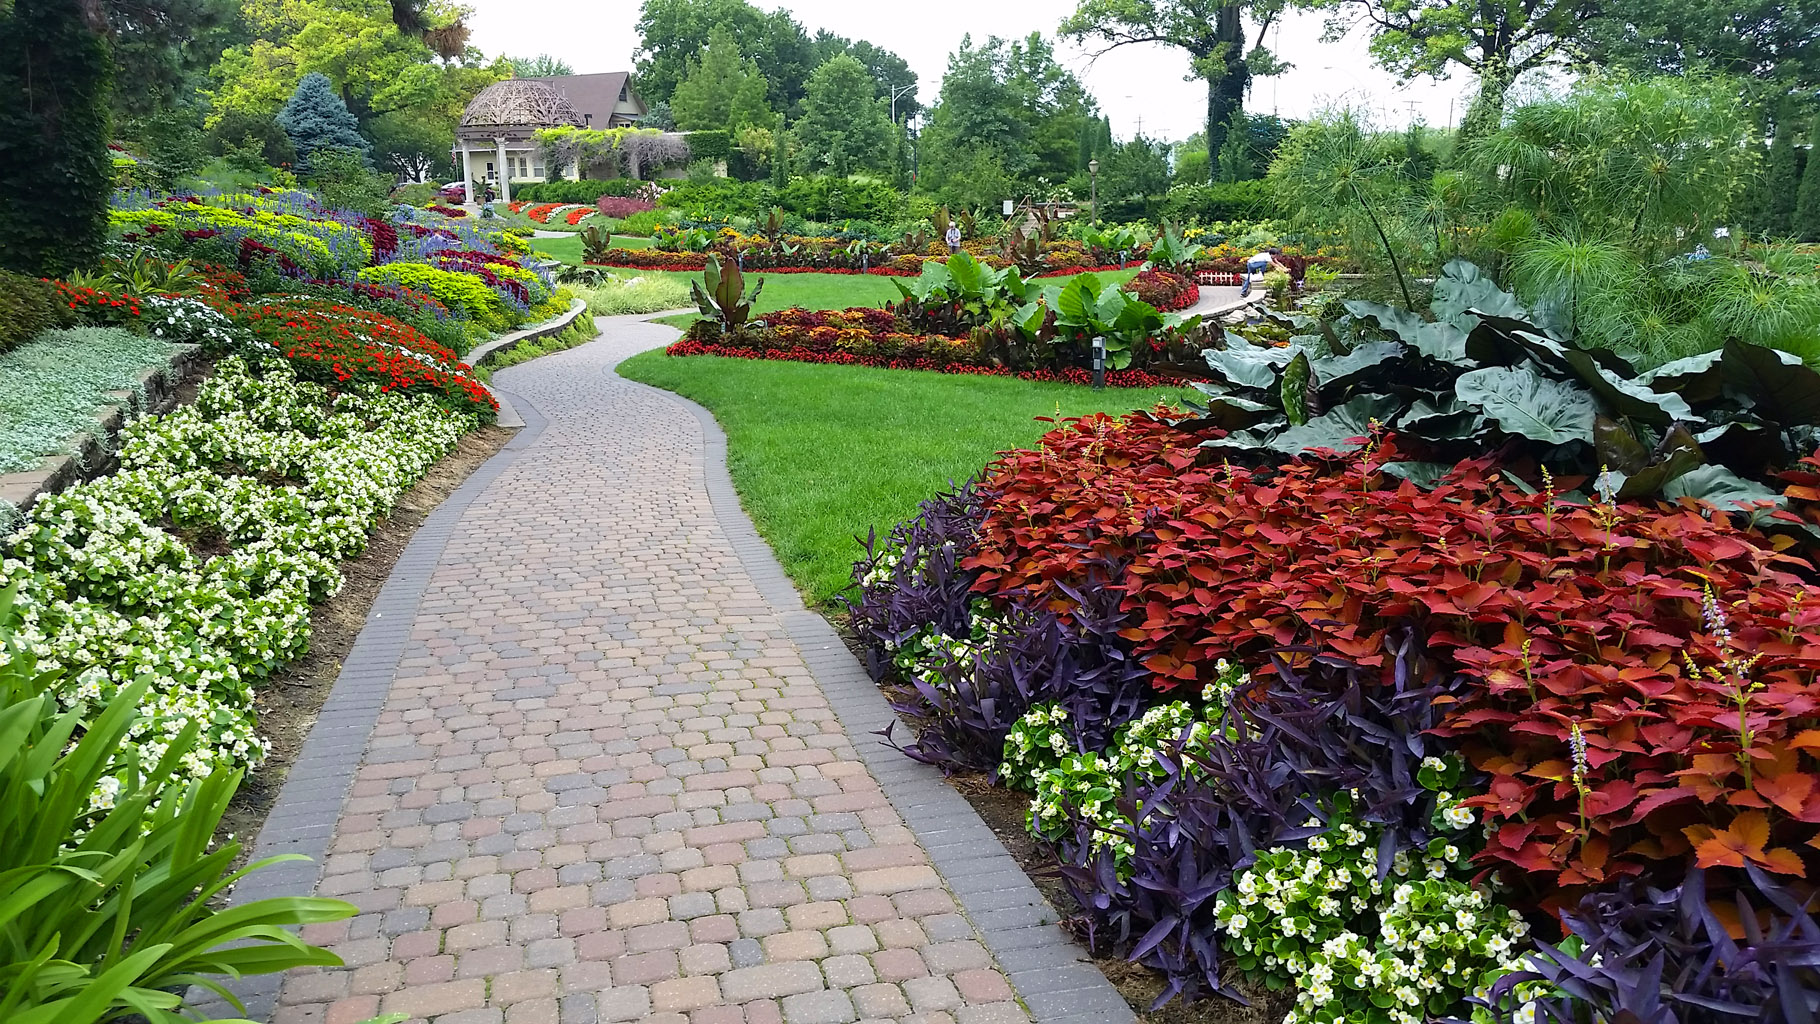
(603, 783)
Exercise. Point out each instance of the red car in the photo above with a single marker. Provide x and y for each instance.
(453, 192)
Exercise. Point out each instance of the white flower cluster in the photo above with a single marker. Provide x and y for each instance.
(282, 474)
(188, 321)
(1360, 949)
(1040, 757)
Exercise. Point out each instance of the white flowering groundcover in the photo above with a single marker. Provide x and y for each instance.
(196, 565)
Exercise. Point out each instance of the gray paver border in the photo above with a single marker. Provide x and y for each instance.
(302, 819)
(1048, 970)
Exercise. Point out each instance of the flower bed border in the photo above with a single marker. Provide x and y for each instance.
(92, 450)
(1072, 375)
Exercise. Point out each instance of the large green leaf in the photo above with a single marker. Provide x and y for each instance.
(1719, 486)
(1398, 323)
(1029, 319)
(967, 275)
(1367, 360)
(1423, 474)
(1227, 410)
(1697, 379)
(1336, 426)
(1462, 289)
(1075, 305)
(1628, 397)
(1294, 390)
(1779, 384)
(1249, 367)
(1524, 403)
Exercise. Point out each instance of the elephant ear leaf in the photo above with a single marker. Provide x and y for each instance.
(1719, 486)
(1229, 410)
(1697, 379)
(1295, 390)
(1783, 387)
(968, 275)
(1423, 474)
(1626, 396)
(1616, 448)
(1334, 428)
(1523, 403)
(1463, 289)
(1248, 367)
(1339, 371)
(1398, 323)
(1678, 454)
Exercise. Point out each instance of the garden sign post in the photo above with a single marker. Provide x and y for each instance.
(1099, 364)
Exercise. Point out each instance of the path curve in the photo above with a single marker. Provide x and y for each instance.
(592, 760)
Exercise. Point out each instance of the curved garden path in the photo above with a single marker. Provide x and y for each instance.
(592, 760)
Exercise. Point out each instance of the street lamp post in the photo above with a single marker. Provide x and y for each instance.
(1093, 179)
(895, 93)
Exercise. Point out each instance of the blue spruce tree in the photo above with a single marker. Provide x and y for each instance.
(315, 118)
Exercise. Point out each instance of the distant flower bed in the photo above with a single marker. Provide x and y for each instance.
(880, 338)
(933, 361)
(1166, 291)
(902, 266)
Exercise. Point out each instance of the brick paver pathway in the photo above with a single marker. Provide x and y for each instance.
(604, 786)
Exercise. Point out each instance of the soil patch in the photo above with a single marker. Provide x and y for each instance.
(1003, 811)
(288, 703)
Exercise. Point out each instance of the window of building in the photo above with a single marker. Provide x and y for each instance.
(623, 87)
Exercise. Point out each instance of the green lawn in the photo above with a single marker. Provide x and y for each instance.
(568, 249)
(822, 454)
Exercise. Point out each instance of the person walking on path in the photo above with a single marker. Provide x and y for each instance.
(954, 238)
(1261, 263)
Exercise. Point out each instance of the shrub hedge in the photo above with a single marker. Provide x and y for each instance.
(585, 191)
(28, 307)
(1207, 204)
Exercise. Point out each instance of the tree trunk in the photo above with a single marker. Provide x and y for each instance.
(1487, 110)
(1228, 76)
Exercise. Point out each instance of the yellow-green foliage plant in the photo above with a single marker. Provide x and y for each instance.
(464, 294)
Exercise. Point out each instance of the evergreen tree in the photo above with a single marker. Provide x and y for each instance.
(1807, 201)
(315, 118)
(780, 158)
(715, 84)
(1781, 179)
(55, 172)
(843, 129)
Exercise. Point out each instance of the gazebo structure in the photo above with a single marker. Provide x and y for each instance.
(500, 126)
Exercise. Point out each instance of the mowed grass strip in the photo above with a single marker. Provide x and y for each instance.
(822, 454)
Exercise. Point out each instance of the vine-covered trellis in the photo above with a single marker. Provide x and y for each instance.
(611, 152)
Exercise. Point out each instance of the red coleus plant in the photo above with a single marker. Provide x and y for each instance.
(1645, 673)
(1165, 290)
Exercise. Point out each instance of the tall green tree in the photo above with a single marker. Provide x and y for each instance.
(1012, 99)
(843, 128)
(165, 48)
(1130, 175)
(890, 73)
(55, 173)
(1781, 179)
(722, 90)
(671, 32)
(1494, 41)
(1211, 32)
(1807, 202)
(541, 66)
(1773, 46)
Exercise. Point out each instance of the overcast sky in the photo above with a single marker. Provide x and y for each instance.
(1136, 86)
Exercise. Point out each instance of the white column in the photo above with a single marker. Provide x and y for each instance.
(505, 174)
(467, 172)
